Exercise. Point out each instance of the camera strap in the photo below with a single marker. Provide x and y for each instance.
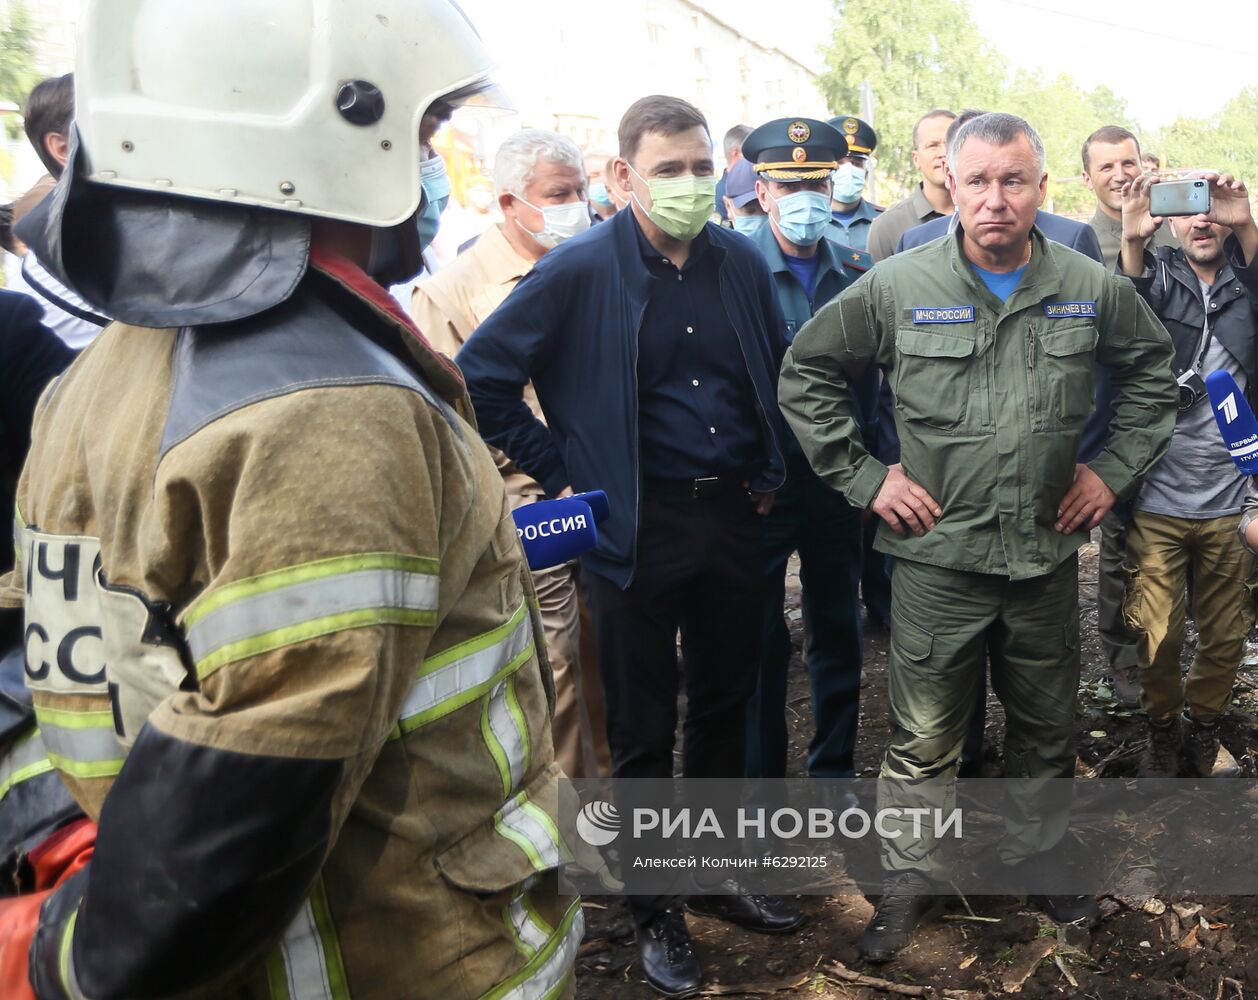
(1207, 332)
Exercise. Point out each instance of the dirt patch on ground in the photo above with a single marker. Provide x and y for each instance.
(1204, 948)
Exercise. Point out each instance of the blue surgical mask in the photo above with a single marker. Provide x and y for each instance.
(749, 225)
(803, 216)
(436, 185)
(849, 182)
(598, 193)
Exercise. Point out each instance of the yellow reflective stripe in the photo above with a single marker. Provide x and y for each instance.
(269, 641)
(496, 749)
(476, 644)
(304, 573)
(532, 831)
(86, 769)
(307, 963)
(277, 976)
(19, 529)
(65, 960)
(462, 674)
(262, 613)
(94, 718)
(505, 733)
(536, 917)
(528, 931)
(26, 759)
(81, 743)
(546, 974)
(521, 727)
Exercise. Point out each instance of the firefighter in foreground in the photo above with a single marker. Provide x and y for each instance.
(280, 639)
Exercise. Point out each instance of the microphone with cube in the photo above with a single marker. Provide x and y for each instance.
(1236, 420)
(557, 531)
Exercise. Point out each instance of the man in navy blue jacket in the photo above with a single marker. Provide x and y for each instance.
(30, 356)
(653, 342)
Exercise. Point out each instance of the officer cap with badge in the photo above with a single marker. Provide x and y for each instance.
(861, 137)
(795, 149)
(802, 149)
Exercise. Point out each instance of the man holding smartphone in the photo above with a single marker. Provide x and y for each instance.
(1205, 291)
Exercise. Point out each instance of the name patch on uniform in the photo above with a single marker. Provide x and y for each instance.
(943, 314)
(1065, 310)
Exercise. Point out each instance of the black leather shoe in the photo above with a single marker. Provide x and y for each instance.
(756, 912)
(906, 898)
(1069, 909)
(668, 955)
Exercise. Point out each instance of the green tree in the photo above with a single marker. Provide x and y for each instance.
(1109, 107)
(918, 55)
(17, 55)
(1227, 141)
(923, 54)
(1064, 115)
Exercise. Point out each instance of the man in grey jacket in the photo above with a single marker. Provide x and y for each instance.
(1188, 510)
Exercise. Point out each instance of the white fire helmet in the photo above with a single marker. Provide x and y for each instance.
(308, 106)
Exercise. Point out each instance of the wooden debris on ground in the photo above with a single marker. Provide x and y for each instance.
(1025, 961)
(837, 970)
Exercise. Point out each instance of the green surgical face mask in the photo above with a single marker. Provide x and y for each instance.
(679, 205)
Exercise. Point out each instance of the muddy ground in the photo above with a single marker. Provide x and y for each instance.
(1176, 947)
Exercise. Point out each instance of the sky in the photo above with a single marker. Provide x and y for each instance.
(1165, 57)
(1144, 52)
(1141, 51)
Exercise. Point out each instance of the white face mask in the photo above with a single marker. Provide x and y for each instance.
(559, 222)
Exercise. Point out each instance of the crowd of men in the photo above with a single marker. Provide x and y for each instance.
(932, 405)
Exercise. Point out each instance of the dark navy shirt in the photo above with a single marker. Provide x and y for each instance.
(696, 406)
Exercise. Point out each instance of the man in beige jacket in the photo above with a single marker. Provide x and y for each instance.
(541, 184)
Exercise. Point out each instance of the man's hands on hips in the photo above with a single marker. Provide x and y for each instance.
(904, 505)
(1087, 503)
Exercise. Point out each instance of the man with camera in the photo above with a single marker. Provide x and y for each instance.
(1205, 291)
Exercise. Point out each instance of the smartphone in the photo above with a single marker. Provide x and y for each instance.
(1188, 197)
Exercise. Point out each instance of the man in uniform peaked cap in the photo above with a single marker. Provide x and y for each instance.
(852, 213)
(794, 160)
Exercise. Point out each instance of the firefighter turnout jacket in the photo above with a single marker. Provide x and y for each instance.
(284, 649)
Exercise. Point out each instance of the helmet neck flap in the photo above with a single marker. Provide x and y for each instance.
(165, 261)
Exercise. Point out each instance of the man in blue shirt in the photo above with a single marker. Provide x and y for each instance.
(654, 341)
(794, 159)
(851, 214)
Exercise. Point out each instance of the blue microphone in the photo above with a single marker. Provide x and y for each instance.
(555, 531)
(1235, 419)
(597, 499)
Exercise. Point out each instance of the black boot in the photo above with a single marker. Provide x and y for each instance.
(906, 898)
(668, 955)
(1201, 747)
(1069, 909)
(756, 912)
(1161, 757)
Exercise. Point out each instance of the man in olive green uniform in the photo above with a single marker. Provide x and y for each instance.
(988, 341)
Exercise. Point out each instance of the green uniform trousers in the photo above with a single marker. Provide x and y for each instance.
(945, 623)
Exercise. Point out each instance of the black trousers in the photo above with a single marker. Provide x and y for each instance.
(699, 573)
